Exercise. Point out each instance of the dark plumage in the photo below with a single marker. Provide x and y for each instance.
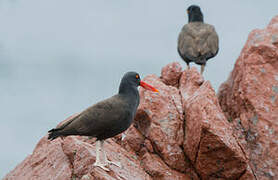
(106, 118)
(198, 41)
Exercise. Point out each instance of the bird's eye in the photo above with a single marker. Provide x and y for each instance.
(137, 76)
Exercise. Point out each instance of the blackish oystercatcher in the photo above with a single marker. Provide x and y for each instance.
(198, 41)
(107, 118)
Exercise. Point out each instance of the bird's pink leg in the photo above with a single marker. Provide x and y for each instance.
(106, 161)
(98, 163)
(202, 68)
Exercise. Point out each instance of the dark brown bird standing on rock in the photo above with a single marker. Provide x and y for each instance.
(107, 118)
(198, 41)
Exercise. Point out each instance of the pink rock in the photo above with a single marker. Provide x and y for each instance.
(249, 98)
(148, 145)
(74, 158)
(170, 74)
(209, 141)
(47, 161)
(83, 154)
(159, 170)
(190, 81)
(165, 131)
(273, 22)
(132, 139)
(248, 175)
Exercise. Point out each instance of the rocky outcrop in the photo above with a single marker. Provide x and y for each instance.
(186, 132)
(180, 133)
(209, 142)
(171, 73)
(249, 99)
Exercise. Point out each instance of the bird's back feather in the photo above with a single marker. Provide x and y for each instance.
(102, 120)
(197, 42)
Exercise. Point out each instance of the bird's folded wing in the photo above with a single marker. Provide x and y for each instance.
(187, 42)
(98, 117)
(213, 41)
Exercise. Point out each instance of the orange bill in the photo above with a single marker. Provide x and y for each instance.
(147, 86)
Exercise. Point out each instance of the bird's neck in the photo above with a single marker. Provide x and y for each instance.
(196, 18)
(128, 91)
(131, 96)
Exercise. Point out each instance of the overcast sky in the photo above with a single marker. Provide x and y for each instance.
(57, 57)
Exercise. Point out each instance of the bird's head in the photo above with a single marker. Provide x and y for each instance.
(132, 79)
(195, 14)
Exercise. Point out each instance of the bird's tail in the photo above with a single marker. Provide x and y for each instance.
(201, 60)
(54, 133)
(60, 130)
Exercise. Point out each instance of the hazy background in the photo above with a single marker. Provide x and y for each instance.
(57, 57)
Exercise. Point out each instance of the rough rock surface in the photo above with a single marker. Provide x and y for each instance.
(48, 161)
(159, 145)
(185, 132)
(165, 130)
(171, 73)
(209, 142)
(190, 81)
(249, 99)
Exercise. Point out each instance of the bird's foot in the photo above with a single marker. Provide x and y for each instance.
(101, 165)
(90, 137)
(123, 136)
(118, 164)
(106, 161)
